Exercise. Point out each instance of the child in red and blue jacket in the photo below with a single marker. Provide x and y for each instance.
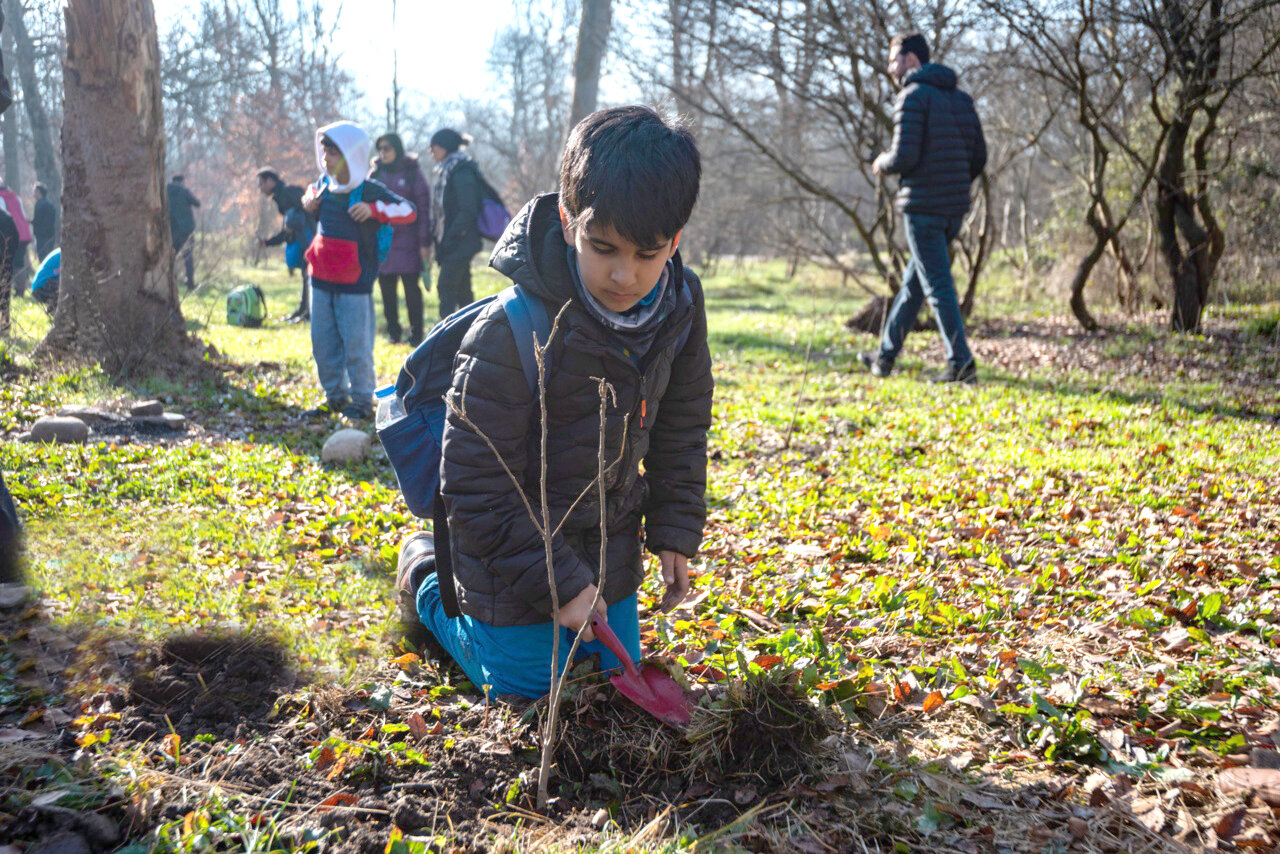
(343, 262)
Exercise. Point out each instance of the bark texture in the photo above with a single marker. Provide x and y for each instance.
(593, 37)
(118, 303)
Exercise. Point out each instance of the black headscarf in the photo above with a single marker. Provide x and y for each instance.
(393, 139)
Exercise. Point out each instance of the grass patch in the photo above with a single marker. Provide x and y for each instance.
(989, 593)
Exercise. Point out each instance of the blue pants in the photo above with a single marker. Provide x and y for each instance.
(342, 330)
(928, 276)
(517, 659)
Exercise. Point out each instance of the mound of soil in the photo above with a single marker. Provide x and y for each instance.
(746, 742)
(211, 684)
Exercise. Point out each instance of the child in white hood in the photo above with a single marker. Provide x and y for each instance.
(343, 259)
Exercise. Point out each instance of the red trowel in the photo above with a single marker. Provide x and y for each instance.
(647, 686)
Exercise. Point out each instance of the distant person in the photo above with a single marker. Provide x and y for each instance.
(10, 538)
(410, 254)
(456, 197)
(44, 224)
(937, 152)
(182, 225)
(343, 262)
(44, 287)
(21, 269)
(296, 233)
(9, 244)
(604, 247)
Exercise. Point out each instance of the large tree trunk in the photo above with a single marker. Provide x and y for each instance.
(118, 303)
(9, 123)
(33, 98)
(593, 37)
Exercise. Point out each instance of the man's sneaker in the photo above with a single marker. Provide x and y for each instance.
(358, 412)
(871, 361)
(417, 561)
(328, 408)
(967, 375)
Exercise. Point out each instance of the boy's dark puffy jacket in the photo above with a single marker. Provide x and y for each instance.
(938, 148)
(463, 196)
(499, 565)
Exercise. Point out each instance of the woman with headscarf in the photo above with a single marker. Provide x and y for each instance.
(457, 196)
(410, 251)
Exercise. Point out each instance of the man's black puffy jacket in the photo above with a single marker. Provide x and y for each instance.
(498, 560)
(938, 148)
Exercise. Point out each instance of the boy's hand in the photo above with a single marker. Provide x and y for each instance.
(675, 574)
(311, 200)
(360, 211)
(576, 613)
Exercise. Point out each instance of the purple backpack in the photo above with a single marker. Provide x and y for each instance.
(493, 219)
(494, 216)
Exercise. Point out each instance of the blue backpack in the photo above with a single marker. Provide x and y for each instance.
(413, 444)
(385, 232)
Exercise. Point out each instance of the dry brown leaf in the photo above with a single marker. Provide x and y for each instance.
(1263, 783)
(1228, 825)
(933, 702)
(417, 726)
(341, 799)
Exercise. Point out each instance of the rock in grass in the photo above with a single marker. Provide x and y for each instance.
(90, 414)
(164, 421)
(14, 595)
(59, 429)
(346, 446)
(144, 408)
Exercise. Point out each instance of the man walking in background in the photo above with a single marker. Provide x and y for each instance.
(937, 151)
(299, 228)
(182, 225)
(44, 223)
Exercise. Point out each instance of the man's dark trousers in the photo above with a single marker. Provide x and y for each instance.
(183, 245)
(453, 285)
(928, 276)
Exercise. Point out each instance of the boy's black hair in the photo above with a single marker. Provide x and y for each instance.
(42, 190)
(268, 172)
(178, 179)
(326, 141)
(911, 43)
(628, 168)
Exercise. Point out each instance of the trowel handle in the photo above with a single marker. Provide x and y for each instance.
(609, 639)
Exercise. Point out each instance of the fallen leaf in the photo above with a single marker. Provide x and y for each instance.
(767, 660)
(341, 799)
(933, 702)
(417, 726)
(1263, 783)
(171, 744)
(1228, 825)
(325, 758)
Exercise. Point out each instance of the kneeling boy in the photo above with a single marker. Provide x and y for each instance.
(605, 245)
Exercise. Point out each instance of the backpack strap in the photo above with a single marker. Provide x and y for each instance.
(528, 317)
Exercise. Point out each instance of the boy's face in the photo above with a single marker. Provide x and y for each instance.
(334, 162)
(615, 271)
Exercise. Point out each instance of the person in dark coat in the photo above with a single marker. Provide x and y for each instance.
(457, 195)
(298, 229)
(410, 252)
(10, 530)
(182, 225)
(937, 151)
(44, 223)
(605, 247)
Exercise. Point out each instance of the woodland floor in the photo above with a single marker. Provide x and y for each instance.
(1039, 614)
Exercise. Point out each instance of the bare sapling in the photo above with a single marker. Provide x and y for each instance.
(541, 519)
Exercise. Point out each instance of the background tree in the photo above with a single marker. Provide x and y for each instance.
(593, 38)
(117, 303)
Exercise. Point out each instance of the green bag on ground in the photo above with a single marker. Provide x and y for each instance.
(246, 306)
